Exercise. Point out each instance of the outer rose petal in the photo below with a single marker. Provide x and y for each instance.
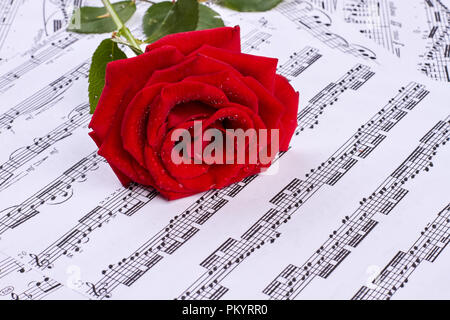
(199, 184)
(113, 149)
(124, 180)
(289, 98)
(134, 122)
(195, 65)
(270, 109)
(124, 78)
(226, 173)
(170, 195)
(163, 181)
(261, 68)
(187, 42)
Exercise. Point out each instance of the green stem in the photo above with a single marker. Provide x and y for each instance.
(121, 26)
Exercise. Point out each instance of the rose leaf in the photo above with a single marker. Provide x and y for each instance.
(208, 18)
(249, 5)
(106, 52)
(166, 18)
(155, 15)
(98, 20)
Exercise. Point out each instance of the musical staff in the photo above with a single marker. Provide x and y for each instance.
(233, 252)
(8, 11)
(44, 98)
(56, 192)
(9, 265)
(327, 5)
(353, 79)
(79, 117)
(432, 241)
(37, 290)
(184, 226)
(356, 227)
(436, 60)
(30, 285)
(253, 39)
(318, 23)
(52, 48)
(125, 201)
(177, 232)
(298, 62)
(375, 20)
(58, 17)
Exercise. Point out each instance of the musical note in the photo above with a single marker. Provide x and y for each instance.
(436, 61)
(77, 118)
(356, 227)
(44, 98)
(126, 201)
(286, 202)
(9, 265)
(8, 11)
(186, 224)
(327, 5)
(298, 62)
(22, 283)
(56, 192)
(308, 117)
(253, 39)
(432, 241)
(37, 290)
(374, 18)
(318, 23)
(52, 37)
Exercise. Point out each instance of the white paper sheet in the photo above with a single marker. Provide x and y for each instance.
(357, 208)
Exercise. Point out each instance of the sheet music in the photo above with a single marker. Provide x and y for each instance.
(357, 208)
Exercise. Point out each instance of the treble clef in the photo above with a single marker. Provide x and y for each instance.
(41, 263)
(102, 292)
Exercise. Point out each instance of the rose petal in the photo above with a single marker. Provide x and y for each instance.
(170, 195)
(188, 111)
(270, 109)
(234, 88)
(187, 42)
(199, 184)
(134, 123)
(124, 78)
(195, 65)
(183, 170)
(112, 149)
(163, 181)
(124, 180)
(225, 173)
(262, 69)
(237, 118)
(174, 94)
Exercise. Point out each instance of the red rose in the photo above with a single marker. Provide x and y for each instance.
(199, 75)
